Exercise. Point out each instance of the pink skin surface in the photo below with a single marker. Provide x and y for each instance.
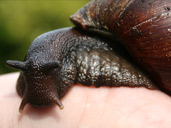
(88, 107)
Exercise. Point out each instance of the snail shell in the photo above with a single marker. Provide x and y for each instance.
(144, 27)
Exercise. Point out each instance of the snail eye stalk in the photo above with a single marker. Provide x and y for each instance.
(47, 66)
(16, 64)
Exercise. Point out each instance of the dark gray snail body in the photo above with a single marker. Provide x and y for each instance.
(58, 59)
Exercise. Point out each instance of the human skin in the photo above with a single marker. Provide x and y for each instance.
(88, 107)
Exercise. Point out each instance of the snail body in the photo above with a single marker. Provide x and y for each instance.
(61, 58)
(144, 27)
(58, 59)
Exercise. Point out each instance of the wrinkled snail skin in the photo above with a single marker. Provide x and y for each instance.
(144, 26)
(58, 59)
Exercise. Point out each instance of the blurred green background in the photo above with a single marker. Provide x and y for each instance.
(23, 20)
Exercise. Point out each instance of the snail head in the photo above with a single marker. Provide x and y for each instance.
(40, 89)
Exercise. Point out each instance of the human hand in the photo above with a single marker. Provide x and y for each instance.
(88, 107)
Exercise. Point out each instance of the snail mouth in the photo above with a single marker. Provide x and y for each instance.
(40, 95)
(41, 102)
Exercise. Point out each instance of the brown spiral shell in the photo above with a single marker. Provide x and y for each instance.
(144, 26)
